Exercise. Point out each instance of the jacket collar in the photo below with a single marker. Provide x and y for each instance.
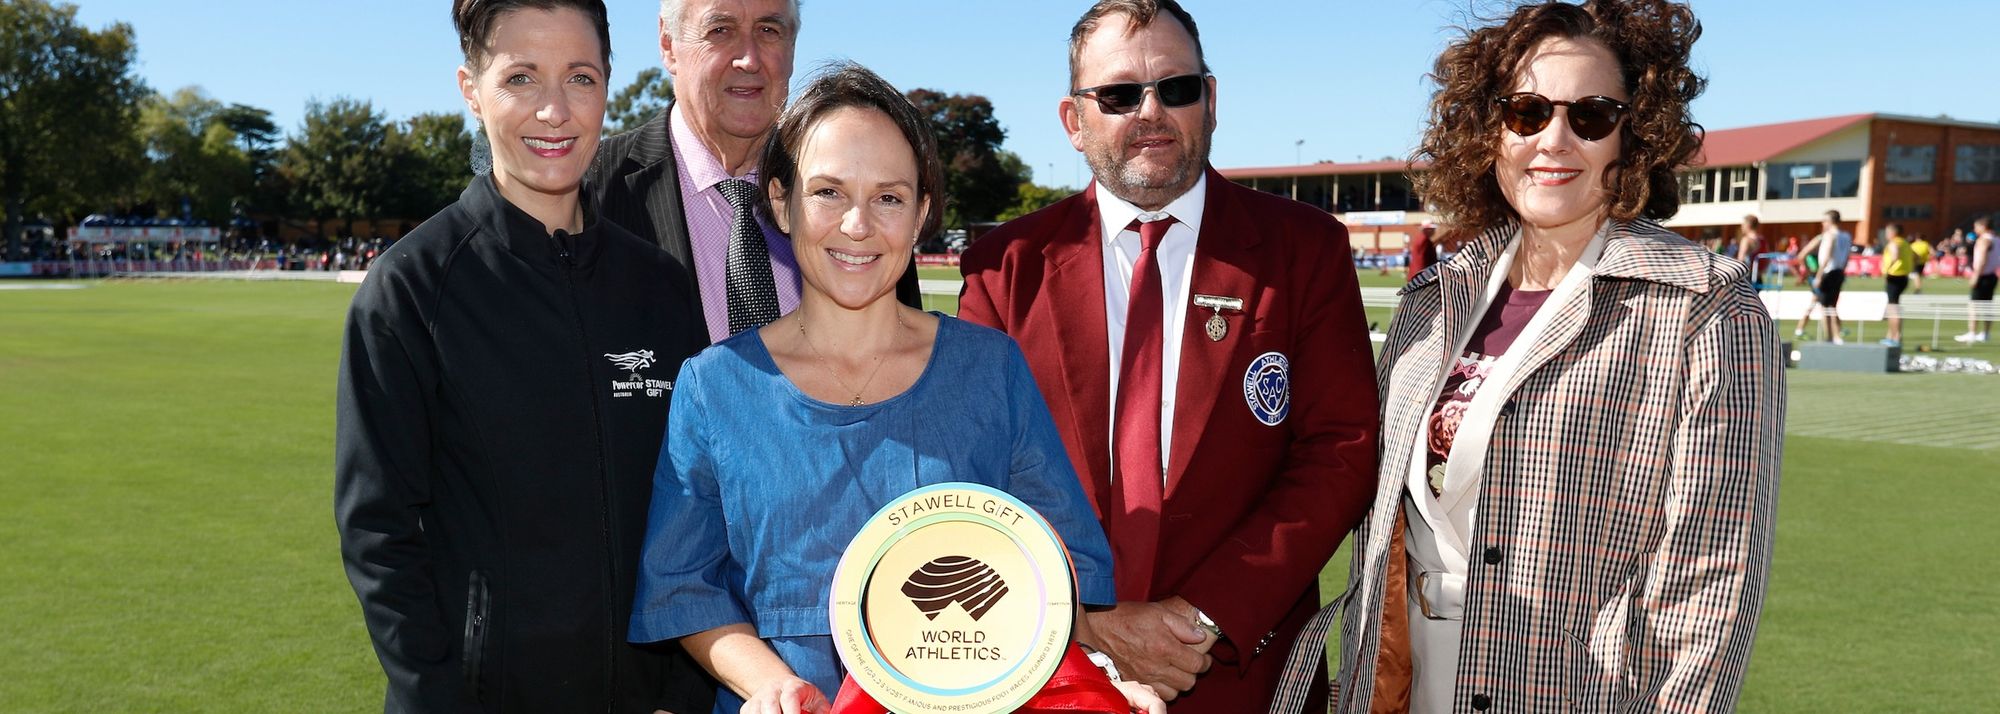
(1636, 250)
(521, 233)
(1218, 208)
(655, 132)
(1644, 250)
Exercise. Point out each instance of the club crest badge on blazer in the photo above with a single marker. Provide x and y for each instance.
(1267, 388)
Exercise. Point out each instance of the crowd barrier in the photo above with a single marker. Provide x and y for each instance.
(1862, 307)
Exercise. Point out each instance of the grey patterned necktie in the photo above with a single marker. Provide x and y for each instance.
(751, 291)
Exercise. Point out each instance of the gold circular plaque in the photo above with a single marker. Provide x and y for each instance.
(954, 598)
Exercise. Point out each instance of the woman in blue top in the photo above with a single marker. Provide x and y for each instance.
(784, 439)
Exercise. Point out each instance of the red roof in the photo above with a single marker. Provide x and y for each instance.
(1323, 168)
(1751, 144)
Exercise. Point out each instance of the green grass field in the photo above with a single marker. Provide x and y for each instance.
(167, 541)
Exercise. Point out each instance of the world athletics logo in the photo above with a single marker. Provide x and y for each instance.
(955, 578)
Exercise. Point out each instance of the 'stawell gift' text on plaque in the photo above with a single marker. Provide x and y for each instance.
(953, 598)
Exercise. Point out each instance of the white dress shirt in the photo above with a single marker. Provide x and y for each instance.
(1175, 256)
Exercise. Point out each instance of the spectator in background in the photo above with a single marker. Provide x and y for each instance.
(1749, 242)
(1801, 264)
(1985, 271)
(1423, 249)
(1896, 264)
(1920, 256)
(1829, 267)
(1955, 247)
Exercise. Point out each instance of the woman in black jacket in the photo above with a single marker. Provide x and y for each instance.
(504, 384)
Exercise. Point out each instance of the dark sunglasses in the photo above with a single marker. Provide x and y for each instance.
(1591, 118)
(1125, 97)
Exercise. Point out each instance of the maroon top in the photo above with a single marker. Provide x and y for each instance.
(1508, 314)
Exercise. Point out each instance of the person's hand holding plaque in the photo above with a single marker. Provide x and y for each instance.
(1141, 697)
(1160, 643)
(769, 686)
(786, 695)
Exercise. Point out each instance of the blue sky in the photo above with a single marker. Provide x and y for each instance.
(1345, 76)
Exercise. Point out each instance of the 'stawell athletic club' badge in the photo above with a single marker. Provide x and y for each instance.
(633, 362)
(953, 598)
(1267, 387)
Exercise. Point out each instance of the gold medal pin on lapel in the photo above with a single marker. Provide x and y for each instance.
(1217, 327)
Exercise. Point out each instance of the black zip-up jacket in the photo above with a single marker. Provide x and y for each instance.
(502, 397)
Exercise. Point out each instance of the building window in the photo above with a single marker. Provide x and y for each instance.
(1808, 180)
(1397, 193)
(1742, 183)
(1906, 213)
(1846, 179)
(1778, 181)
(1978, 163)
(1910, 164)
(1836, 179)
(1694, 186)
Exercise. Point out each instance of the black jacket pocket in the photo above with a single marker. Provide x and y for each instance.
(478, 621)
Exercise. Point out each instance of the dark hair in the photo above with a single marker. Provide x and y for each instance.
(843, 85)
(475, 19)
(1752, 220)
(1652, 40)
(1833, 215)
(1896, 228)
(1141, 14)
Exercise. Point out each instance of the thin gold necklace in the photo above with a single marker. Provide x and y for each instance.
(828, 366)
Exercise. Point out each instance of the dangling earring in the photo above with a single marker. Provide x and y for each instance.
(481, 159)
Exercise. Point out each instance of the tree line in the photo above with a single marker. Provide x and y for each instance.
(81, 134)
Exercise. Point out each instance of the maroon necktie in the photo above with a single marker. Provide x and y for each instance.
(1135, 436)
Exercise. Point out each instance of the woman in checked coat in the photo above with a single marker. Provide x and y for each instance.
(1583, 411)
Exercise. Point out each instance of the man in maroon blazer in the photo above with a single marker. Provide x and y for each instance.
(1202, 348)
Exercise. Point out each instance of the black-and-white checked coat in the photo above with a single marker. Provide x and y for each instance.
(1623, 535)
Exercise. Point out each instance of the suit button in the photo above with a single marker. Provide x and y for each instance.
(1481, 702)
(1492, 556)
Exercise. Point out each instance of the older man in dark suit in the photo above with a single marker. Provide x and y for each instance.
(687, 179)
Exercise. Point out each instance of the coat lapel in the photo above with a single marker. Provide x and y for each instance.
(1640, 250)
(656, 186)
(1420, 371)
(1075, 306)
(1463, 285)
(1223, 253)
(1568, 319)
(661, 184)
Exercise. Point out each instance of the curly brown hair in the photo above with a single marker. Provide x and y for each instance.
(1651, 39)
